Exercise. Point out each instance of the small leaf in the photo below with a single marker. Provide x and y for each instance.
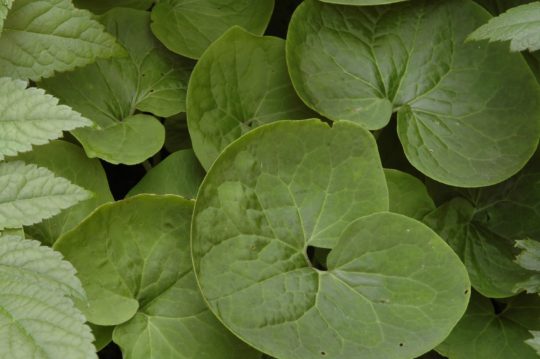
(151, 80)
(29, 117)
(4, 9)
(535, 342)
(189, 27)
(519, 25)
(41, 37)
(70, 162)
(239, 83)
(38, 319)
(180, 173)
(134, 262)
(408, 195)
(29, 194)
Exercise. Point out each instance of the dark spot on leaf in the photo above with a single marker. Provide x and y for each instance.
(323, 353)
(400, 344)
(466, 291)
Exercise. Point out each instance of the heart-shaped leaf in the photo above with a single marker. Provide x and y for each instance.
(392, 288)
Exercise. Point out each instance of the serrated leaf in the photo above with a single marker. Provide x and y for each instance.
(151, 79)
(535, 342)
(68, 161)
(29, 117)
(483, 333)
(37, 318)
(41, 37)
(468, 114)
(259, 210)
(5, 5)
(519, 25)
(134, 262)
(408, 195)
(239, 83)
(529, 259)
(180, 173)
(29, 194)
(189, 27)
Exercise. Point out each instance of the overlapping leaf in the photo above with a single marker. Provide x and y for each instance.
(240, 82)
(180, 173)
(468, 114)
(519, 25)
(408, 195)
(101, 6)
(189, 27)
(4, 8)
(46, 36)
(362, 2)
(134, 262)
(29, 194)
(37, 316)
(70, 162)
(484, 333)
(150, 79)
(29, 117)
(259, 209)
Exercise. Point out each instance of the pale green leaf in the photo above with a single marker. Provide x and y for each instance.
(535, 342)
(41, 37)
(37, 317)
(101, 6)
(134, 262)
(151, 79)
(239, 83)
(482, 333)
(468, 114)
(70, 162)
(180, 173)
(29, 117)
(5, 5)
(529, 259)
(519, 25)
(189, 27)
(392, 288)
(408, 195)
(29, 194)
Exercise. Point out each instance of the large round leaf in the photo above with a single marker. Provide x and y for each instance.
(150, 79)
(468, 113)
(134, 262)
(240, 82)
(393, 288)
(188, 27)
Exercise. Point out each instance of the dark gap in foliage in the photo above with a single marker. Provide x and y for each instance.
(391, 150)
(318, 257)
(432, 355)
(498, 307)
(122, 178)
(111, 351)
(279, 22)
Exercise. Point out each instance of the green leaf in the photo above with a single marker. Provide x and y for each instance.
(180, 173)
(46, 36)
(259, 209)
(29, 117)
(529, 259)
(101, 6)
(134, 262)
(29, 194)
(519, 25)
(151, 79)
(131, 141)
(482, 333)
(362, 2)
(102, 334)
(240, 82)
(5, 5)
(468, 114)
(408, 195)
(488, 255)
(535, 342)
(38, 318)
(189, 27)
(70, 162)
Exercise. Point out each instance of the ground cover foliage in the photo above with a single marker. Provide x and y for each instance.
(222, 179)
